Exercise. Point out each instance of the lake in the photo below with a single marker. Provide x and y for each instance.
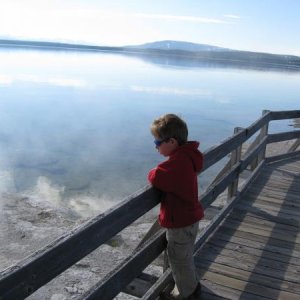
(74, 126)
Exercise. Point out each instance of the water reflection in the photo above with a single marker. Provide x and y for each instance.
(215, 60)
(74, 127)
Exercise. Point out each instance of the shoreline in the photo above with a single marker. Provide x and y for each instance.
(233, 58)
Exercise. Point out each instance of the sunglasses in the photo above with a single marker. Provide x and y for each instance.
(159, 142)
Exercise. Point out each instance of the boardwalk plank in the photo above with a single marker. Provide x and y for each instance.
(257, 249)
(283, 217)
(263, 223)
(285, 237)
(240, 274)
(247, 262)
(266, 215)
(255, 289)
(261, 219)
(259, 238)
(269, 231)
(274, 208)
(271, 193)
(212, 289)
(225, 239)
(280, 199)
(255, 252)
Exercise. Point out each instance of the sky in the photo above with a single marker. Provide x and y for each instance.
(271, 26)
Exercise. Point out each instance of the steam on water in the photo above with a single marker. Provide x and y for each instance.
(74, 127)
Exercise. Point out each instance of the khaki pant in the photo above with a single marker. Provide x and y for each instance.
(180, 250)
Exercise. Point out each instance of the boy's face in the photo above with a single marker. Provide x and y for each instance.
(166, 147)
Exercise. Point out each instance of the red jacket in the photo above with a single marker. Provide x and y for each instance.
(177, 178)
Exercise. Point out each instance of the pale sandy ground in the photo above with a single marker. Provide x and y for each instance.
(27, 224)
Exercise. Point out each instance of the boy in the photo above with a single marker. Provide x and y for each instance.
(180, 210)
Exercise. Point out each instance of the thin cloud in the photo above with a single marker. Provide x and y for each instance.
(181, 18)
(232, 16)
(68, 82)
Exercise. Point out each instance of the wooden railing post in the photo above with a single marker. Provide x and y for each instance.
(235, 157)
(262, 134)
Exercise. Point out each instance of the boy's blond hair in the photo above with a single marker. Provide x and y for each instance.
(170, 126)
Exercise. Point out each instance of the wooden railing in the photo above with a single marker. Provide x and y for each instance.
(22, 279)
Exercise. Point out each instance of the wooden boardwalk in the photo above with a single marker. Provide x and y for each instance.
(255, 252)
(249, 250)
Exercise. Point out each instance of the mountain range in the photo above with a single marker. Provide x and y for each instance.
(179, 45)
(176, 53)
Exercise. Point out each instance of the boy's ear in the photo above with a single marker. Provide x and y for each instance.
(173, 141)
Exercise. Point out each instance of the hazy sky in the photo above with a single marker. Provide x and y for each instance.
(257, 25)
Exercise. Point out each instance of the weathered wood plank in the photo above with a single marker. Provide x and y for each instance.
(279, 192)
(251, 288)
(275, 199)
(274, 185)
(238, 266)
(129, 269)
(213, 289)
(266, 215)
(207, 294)
(214, 251)
(278, 209)
(266, 280)
(278, 173)
(22, 280)
(234, 158)
(275, 158)
(244, 242)
(214, 154)
(159, 286)
(221, 184)
(287, 114)
(250, 262)
(259, 238)
(257, 249)
(294, 146)
(140, 285)
(275, 202)
(253, 220)
(287, 236)
(281, 189)
(283, 136)
(292, 167)
(272, 193)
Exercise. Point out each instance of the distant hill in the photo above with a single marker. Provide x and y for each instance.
(178, 45)
(9, 43)
(176, 53)
(189, 54)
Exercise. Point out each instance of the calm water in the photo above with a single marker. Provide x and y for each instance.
(74, 127)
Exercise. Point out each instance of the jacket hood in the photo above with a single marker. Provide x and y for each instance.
(191, 150)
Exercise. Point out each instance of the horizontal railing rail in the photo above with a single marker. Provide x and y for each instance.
(216, 153)
(22, 279)
(285, 114)
(283, 136)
